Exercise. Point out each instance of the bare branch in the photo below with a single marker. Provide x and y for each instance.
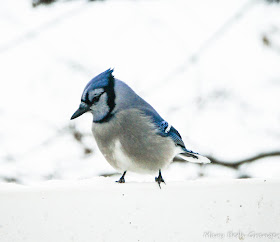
(237, 164)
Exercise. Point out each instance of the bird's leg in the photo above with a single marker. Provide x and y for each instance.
(121, 180)
(159, 179)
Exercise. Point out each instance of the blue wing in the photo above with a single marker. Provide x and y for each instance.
(166, 130)
(163, 128)
(169, 131)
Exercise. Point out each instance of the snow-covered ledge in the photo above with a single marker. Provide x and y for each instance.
(100, 210)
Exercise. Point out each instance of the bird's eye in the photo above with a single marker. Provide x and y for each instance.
(96, 99)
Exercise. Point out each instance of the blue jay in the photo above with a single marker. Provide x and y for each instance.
(129, 132)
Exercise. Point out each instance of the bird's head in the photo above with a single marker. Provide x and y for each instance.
(98, 97)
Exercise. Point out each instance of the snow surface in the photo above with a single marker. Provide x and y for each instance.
(221, 92)
(101, 210)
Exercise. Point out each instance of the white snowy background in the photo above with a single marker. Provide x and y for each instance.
(210, 68)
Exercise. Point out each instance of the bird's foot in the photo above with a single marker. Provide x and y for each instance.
(159, 179)
(122, 180)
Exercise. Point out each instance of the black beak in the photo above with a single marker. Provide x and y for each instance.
(83, 108)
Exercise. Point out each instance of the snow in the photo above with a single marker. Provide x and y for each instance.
(221, 93)
(101, 210)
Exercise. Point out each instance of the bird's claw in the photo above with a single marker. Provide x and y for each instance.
(121, 180)
(159, 180)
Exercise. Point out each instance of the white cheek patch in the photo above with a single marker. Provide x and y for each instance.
(100, 109)
(101, 105)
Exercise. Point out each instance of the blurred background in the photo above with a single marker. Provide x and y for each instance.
(210, 68)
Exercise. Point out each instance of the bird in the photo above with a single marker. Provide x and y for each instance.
(128, 131)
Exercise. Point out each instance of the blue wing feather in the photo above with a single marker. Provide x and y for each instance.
(162, 130)
(162, 126)
(172, 133)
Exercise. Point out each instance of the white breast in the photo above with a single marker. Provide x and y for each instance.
(123, 162)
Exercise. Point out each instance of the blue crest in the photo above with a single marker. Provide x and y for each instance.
(100, 81)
